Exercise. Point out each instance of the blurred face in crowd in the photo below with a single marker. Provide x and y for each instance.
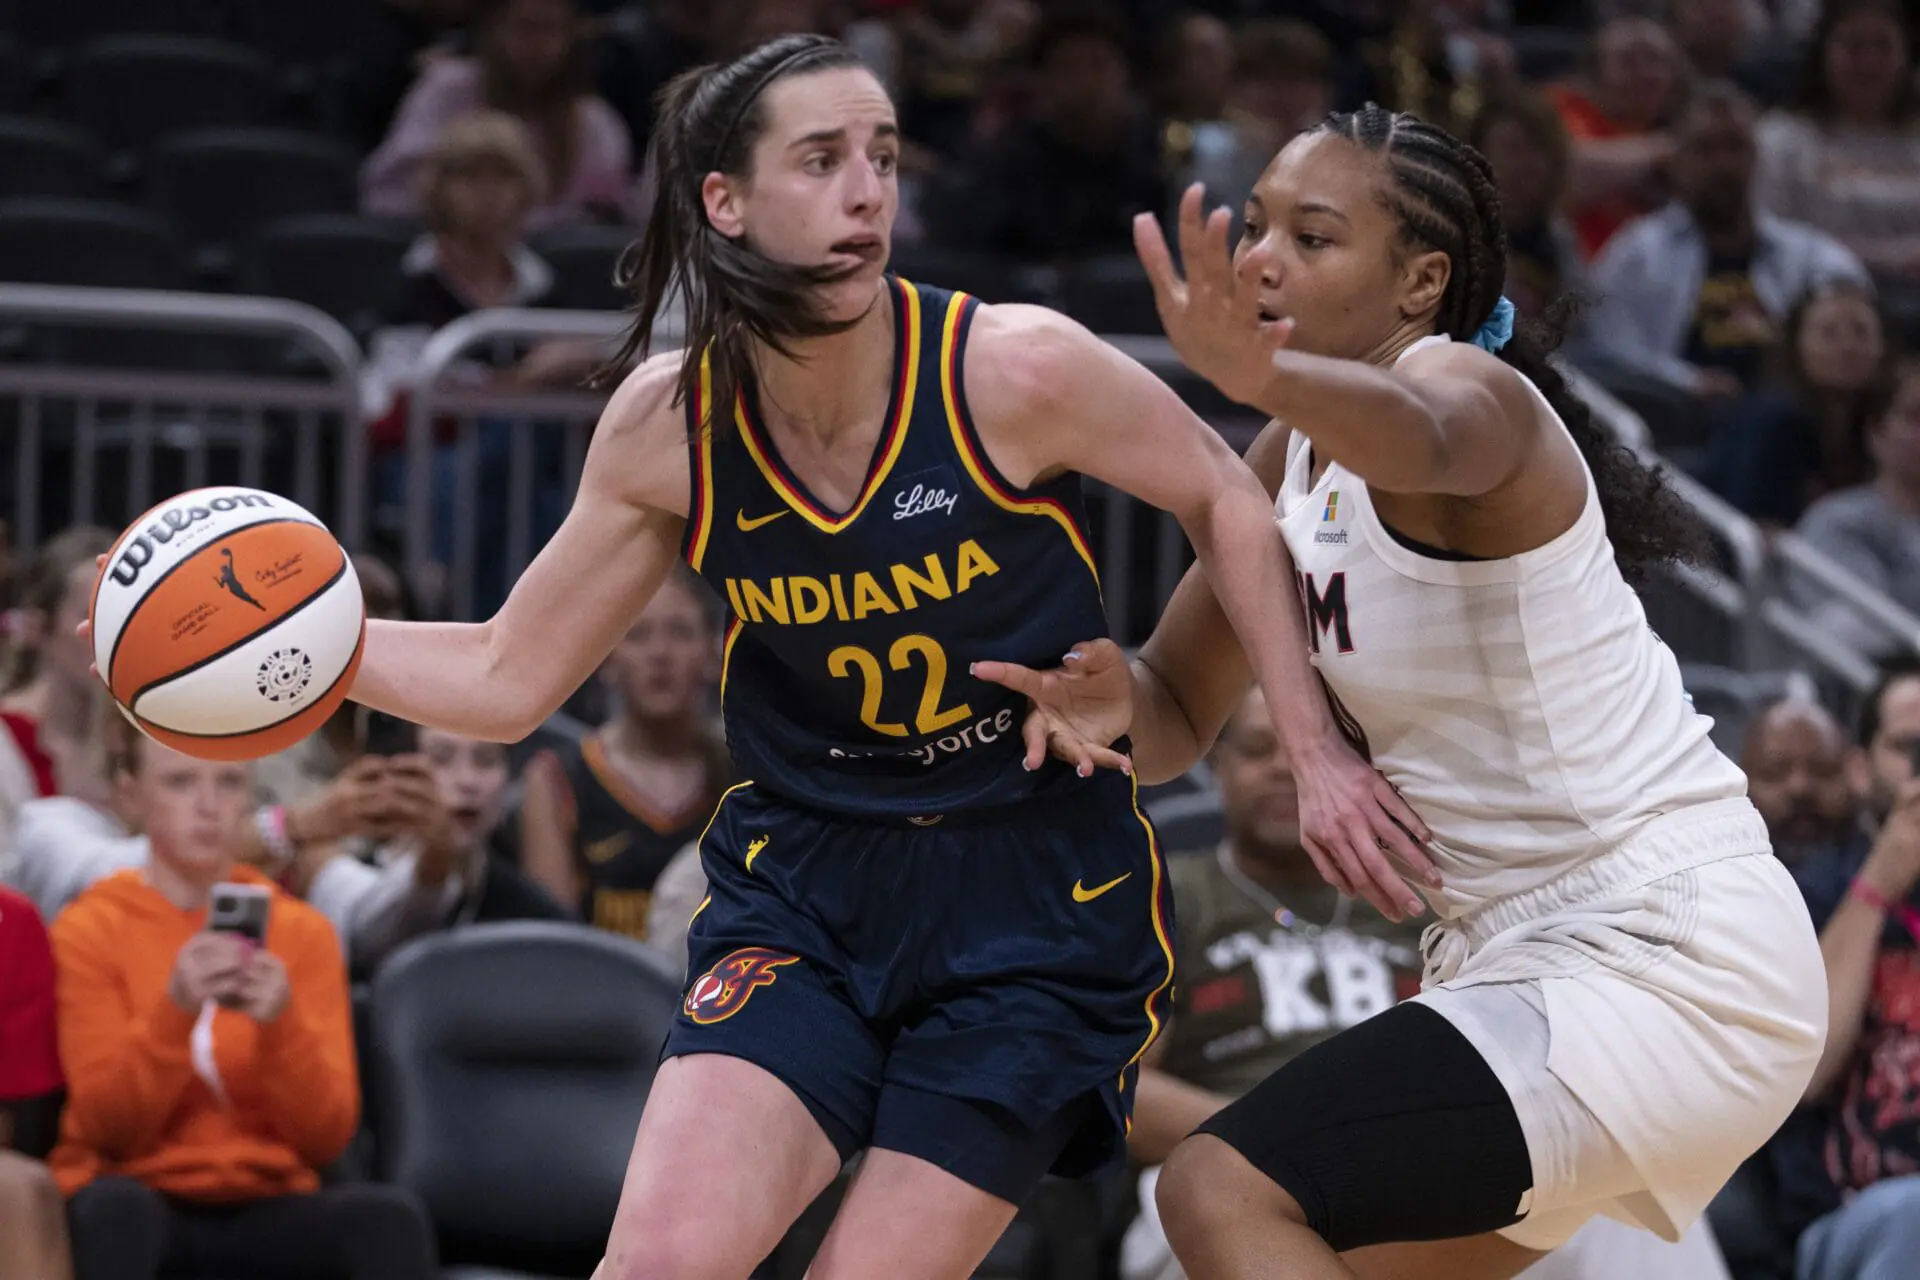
(473, 779)
(1522, 168)
(824, 185)
(1840, 341)
(1713, 172)
(1894, 441)
(1083, 87)
(189, 809)
(532, 39)
(1795, 760)
(1866, 62)
(1203, 66)
(485, 202)
(1324, 248)
(1290, 103)
(66, 655)
(1256, 786)
(1886, 765)
(662, 668)
(1713, 33)
(1638, 71)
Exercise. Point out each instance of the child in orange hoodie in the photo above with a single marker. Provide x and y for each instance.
(209, 1078)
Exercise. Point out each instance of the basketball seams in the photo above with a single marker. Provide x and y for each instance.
(292, 611)
(126, 623)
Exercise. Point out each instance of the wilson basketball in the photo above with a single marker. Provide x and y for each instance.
(228, 623)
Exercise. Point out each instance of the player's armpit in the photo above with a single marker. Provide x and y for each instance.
(500, 679)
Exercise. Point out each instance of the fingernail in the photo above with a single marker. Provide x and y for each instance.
(1071, 656)
(973, 668)
(1025, 765)
(1085, 771)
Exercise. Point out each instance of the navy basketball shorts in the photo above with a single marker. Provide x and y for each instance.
(975, 990)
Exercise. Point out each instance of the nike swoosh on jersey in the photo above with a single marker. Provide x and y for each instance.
(1083, 894)
(748, 526)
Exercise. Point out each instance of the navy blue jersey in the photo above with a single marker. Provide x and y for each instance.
(849, 635)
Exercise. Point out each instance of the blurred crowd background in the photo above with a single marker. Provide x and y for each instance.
(362, 252)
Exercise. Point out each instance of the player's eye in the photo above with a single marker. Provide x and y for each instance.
(818, 162)
(885, 163)
(1307, 240)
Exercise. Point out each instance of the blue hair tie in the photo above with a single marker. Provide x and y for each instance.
(1497, 332)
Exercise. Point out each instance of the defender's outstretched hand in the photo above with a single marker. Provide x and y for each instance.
(1213, 315)
(1080, 708)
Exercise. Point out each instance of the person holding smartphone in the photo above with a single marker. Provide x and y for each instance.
(207, 1037)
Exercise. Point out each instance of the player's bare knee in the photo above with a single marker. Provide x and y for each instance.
(1206, 1187)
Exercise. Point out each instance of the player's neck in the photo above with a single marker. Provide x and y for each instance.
(829, 385)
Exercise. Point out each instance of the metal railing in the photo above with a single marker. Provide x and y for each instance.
(472, 444)
(68, 416)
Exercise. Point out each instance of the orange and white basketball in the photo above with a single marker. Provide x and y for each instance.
(228, 623)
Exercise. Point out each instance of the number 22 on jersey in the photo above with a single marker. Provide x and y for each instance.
(850, 660)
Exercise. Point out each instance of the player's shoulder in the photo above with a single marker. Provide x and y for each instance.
(639, 447)
(1465, 365)
(1024, 357)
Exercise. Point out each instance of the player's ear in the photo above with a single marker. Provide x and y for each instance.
(1423, 282)
(721, 196)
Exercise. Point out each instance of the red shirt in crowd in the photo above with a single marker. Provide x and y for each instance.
(29, 1045)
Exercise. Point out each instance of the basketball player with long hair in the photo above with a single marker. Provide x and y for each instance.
(913, 946)
(1623, 995)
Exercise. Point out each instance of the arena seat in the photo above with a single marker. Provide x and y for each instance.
(45, 240)
(132, 90)
(345, 264)
(1110, 295)
(510, 1063)
(222, 185)
(41, 157)
(16, 73)
(583, 259)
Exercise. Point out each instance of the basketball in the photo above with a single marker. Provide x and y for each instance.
(228, 623)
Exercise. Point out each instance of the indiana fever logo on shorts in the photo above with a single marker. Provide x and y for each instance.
(722, 991)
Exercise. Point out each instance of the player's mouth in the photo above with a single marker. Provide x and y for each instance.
(865, 249)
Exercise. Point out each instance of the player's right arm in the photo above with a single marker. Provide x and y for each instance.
(500, 679)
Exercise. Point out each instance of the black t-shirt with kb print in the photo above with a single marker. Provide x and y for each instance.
(1731, 329)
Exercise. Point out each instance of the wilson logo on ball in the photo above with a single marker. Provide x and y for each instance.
(138, 553)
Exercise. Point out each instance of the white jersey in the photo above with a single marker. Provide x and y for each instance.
(1523, 706)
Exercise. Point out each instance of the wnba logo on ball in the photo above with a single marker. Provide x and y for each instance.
(285, 675)
(139, 552)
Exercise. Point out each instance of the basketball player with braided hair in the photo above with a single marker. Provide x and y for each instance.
(1623, 995)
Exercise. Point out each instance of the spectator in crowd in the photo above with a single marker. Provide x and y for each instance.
(478, 188)
(1693, 296)
(1193, 59)
(601, 819)
(209, 1077)
(532, 61)
(1281, 83)
(1275, 961)
(1795, 760)
(51, 706)
(1803, 433)
(1873, 530)
(1864, 900)
(472, 778)
(1067, 182)
(33, 1228)
(1726, 40)
(306, 803)
(1846, 158)
(1617, 120)
(1522, 137)
(1431, 57)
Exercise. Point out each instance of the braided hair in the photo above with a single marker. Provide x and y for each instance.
(1442, 193)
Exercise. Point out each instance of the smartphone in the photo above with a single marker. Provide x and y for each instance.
(240, 909)
(386, 735)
